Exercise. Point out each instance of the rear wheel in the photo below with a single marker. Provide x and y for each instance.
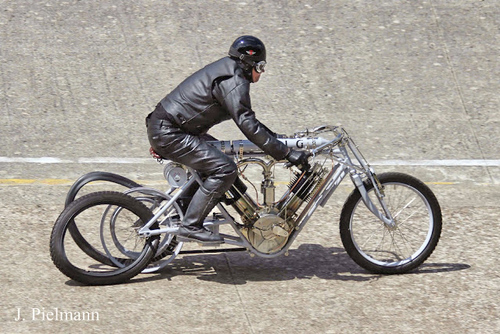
(385, 250)
(168, 247)
(87, 214)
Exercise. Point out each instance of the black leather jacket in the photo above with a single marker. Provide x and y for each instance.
(218, 92)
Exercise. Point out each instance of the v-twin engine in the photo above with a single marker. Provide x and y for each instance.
(267, 227)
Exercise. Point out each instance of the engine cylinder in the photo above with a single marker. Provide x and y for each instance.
(300, 191)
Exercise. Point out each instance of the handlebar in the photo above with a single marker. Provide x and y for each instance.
(318, 150)
(315, 131)
(334, 141)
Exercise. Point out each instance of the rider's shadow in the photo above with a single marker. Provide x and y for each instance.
(305, 262)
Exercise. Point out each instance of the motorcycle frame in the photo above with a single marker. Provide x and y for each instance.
(339, 149)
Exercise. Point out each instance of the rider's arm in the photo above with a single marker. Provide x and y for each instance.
(237, 102)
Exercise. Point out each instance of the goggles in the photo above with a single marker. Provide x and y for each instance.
(260, 66)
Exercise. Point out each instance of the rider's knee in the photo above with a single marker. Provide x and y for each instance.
(229, 172)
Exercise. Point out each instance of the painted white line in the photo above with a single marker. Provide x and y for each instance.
(97, 160)
(443, 163)
(111, 160)
(115, 160)
(43, 160)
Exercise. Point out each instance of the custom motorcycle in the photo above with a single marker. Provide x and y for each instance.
(389, 224)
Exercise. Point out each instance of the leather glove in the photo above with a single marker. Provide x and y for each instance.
(298, 158)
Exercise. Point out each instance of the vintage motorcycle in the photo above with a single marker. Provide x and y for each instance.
(389, 224)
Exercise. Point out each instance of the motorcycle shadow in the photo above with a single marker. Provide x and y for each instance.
(305, 262)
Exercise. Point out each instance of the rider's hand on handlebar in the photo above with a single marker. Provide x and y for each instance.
(298, 158)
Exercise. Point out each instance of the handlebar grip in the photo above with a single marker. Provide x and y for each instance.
(288, 164)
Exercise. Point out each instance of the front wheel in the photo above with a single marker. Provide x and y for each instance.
(392, 250)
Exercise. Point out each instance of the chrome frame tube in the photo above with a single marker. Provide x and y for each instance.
(145, 231)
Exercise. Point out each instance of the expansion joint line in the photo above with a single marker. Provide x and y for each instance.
(457, 84)
(240, 298)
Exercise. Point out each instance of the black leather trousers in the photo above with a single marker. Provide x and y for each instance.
(217, 170)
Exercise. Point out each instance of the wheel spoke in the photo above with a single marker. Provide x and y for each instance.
(404, 207)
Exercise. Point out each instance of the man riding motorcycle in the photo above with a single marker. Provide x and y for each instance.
(218, 92)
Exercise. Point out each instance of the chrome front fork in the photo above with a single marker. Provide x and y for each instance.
(386, 216)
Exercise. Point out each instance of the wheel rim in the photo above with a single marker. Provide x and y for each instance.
(121, 237)
(121, 244)
(168, 247)
(398, 246)
(80, 261)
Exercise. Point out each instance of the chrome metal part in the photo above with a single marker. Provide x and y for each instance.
(268, 234)
(175, 174)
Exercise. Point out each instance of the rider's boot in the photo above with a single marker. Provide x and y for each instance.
(192, 224)
(186, 196)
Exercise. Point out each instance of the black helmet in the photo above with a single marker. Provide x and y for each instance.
(250, 50)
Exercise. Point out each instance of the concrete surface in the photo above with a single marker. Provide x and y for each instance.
(412, 81)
